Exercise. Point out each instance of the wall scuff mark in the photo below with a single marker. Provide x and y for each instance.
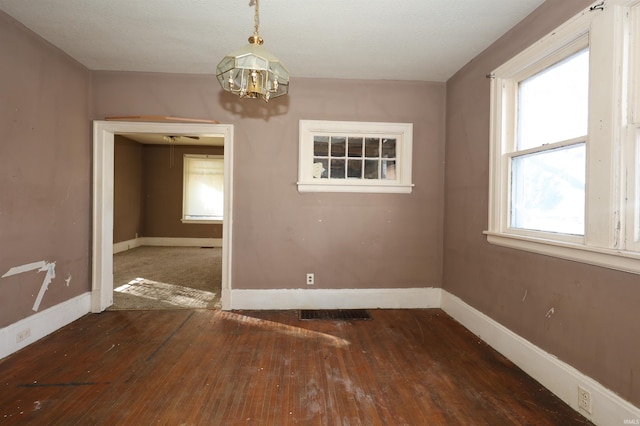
(550, 312)
(42, 266)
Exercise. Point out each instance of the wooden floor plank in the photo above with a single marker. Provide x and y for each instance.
(208, 367)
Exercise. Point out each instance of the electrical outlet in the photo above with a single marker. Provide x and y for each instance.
(584, 399)
(22, 335)
(310, 278)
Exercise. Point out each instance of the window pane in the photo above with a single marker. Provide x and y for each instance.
(320, 168)
(338, 146)
(354, 169)
(548, 190)
(389, 148)
(355, 147)
(371, 169)
(337, 169)
(372, 147)
(553, 104)
(321, 146)
(388, 169)
(204, 198)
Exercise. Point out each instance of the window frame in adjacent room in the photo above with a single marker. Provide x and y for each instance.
(188, 214)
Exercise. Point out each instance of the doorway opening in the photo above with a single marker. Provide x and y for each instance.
(103, 202)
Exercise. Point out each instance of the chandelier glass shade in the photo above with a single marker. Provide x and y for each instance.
(253, 71)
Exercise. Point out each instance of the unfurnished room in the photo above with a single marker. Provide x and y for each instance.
(263, 212)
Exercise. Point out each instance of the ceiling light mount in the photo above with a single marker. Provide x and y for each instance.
(252, 71)
(256, 39)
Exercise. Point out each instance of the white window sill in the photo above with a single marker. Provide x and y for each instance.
(202, 221)
(608, 258)
(341, 186)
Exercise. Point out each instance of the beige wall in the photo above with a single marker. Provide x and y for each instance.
(347, 240)
(162, 189)
(594, 326)
(127, 189)
(148, 191)
(45, 153)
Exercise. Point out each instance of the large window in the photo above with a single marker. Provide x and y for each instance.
(342, 156)
(565, 140)
(549, 157)
(203, 194)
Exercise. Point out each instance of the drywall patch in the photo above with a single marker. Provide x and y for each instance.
(42, 266)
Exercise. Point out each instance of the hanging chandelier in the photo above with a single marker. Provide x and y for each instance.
(252, 71)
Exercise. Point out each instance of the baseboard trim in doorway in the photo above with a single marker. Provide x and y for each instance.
(166, 242)
(26, 331)
(370, 298)
(559, 377)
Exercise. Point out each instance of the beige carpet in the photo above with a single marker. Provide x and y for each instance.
(167, 278)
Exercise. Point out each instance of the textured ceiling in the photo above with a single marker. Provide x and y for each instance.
(426, 40)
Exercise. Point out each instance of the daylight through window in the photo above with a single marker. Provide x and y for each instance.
(355, 157)
(565, 142)
(203, 196)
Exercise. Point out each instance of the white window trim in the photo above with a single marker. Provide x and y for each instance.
(603, 244)
(403, 132)
(184, 191)
(632, 147)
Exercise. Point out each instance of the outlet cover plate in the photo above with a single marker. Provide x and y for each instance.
(584, 399)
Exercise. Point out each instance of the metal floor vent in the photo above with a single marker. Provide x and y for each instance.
(335, 314)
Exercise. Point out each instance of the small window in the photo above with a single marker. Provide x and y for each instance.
(355, 157)
(203, 195)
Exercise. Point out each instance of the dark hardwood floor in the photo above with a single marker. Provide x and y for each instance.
(208, 367)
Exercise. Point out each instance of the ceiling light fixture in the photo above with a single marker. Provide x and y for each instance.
(252, 71)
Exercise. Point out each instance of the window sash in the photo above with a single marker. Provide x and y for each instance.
(504, 106)
(538, 126)
(529, 172)
(203, 195)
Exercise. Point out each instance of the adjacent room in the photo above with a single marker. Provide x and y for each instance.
(414, 213)
(160, 262)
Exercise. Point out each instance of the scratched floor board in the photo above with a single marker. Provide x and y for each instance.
(207, 367)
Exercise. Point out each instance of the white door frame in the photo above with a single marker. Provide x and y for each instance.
(102, 232)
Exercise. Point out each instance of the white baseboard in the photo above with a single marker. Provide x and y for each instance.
(557, 376)
(384, 298)
(225, 299)
(26, 331)
(166, 242)
(126, 245)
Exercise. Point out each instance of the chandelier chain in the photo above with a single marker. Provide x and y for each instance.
(256, 16)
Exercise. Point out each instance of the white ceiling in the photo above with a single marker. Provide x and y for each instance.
(424, 40)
